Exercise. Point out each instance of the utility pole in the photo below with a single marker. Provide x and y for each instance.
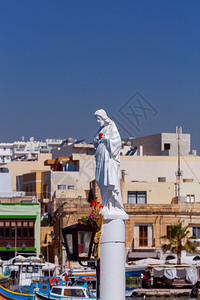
(179, 163)
(15, 239)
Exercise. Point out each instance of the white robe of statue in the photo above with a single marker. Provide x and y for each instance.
(107, 157)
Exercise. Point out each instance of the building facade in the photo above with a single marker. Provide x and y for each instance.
(26, 150)
(19, 228)
(163, 144)
(19, 221)
(149, 190)
(149, 222)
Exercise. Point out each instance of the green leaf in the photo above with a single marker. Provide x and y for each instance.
(179, 240)
(83, 220)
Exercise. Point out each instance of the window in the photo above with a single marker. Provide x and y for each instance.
(61, 187)
(44, 287)
(196, 231)
(57, 291)
(23, 269)
(161, 179)
(78, 293)
(7, 232)
(166, 146)
(190, 198)
(13, 232)
(45, 191)
(67, 292)
(19, 232)
(31, 232)
(70, 187)
(25, 232)
(168, 231)
(29, 269)
(1, 232)
(143, 236)
(137, 198)
(36, 269)
(71, 166)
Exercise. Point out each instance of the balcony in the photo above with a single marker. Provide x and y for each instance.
(28, 242)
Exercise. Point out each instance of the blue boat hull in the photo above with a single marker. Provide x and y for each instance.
(9, 295)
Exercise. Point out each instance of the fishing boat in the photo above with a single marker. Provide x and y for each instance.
(6, 294)
(66, 292)
(43, 284)
(5, 277)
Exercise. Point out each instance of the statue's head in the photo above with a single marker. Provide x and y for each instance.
(101, 117)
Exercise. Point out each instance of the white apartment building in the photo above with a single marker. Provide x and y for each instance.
(21, 150)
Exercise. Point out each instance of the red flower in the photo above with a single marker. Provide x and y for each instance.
(100, 206)
(100, 135)
(93, 203)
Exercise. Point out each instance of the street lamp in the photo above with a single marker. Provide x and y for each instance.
(78, 241)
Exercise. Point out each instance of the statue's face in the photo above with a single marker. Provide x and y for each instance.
(100, 121)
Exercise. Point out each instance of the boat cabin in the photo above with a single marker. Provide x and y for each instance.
(71, 291)
(28, 271)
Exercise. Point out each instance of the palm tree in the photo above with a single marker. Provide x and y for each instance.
(179, 240)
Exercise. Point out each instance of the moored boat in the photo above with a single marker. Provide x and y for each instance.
(6, 294)
(44, 285)
(67, 292)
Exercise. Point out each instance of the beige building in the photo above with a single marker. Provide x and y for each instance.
(17, 168)
(149, 192)
(149, 222)
(163, 144)
(159, 192)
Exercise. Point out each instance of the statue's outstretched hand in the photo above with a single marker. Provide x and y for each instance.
(96, 142)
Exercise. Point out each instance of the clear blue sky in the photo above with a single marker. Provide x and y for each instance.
(62, 60)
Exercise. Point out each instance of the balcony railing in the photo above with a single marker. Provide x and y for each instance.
(19, 196)
(28, 242)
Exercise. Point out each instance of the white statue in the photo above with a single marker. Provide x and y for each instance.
(107, 155)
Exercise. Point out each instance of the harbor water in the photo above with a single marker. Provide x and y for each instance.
(161, 298)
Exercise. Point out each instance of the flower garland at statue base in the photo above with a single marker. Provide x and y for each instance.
(95, 220)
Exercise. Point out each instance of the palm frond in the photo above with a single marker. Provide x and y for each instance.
(179, 240)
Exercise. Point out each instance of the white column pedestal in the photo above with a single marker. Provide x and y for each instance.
(112, 260)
